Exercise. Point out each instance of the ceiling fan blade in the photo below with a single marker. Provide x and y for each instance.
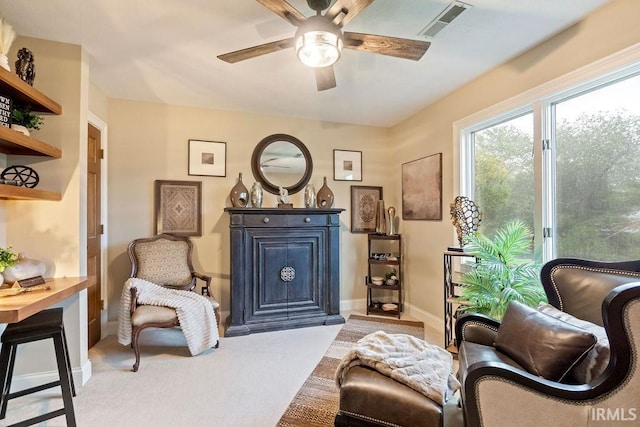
(252, 52)
(344, 11)
(284, 10)
(325, 78)
(385, 45)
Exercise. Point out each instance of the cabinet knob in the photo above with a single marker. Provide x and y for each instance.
(266, 220)
(307, 219)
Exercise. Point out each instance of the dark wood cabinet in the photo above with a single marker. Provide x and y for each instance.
(285, 269)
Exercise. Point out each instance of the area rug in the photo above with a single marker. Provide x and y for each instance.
(317, 402)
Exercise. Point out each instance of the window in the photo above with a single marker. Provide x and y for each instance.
(565, 161)
(597, 140)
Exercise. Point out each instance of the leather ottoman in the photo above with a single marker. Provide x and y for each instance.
(368, 398)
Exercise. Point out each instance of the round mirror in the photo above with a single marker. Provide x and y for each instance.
(281, 161)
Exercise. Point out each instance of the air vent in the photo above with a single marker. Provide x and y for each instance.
(445, 17)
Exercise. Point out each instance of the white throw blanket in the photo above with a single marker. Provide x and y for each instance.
(424, 367)
(195, 313)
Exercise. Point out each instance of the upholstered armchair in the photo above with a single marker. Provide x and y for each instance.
(164, 260)
(498, 391)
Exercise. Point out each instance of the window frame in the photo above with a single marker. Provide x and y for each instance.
(541, 102)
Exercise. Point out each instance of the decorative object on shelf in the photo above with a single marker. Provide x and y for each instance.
(24, 268)
(381, 220)
(347, 165)
(6, 105)
(309, 196)
(377, 280)
(24, 176)
(25, 66)
(363, 208)
(23, 119)
(391, 278)
(7, 260)
(391, 218)
(502, 273)
(422, 188)
(466, 217)
(239, 194)
(207, 158)
(390, 307)
(324, 199)
(256, 195)
(7, 36)
(283, 199)
(178, 207)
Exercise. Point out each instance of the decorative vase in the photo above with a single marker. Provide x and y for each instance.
(324, 199)
(239, 194)
(309, 196)
(21, 129)
(391, 217)
(4, 62)
(381, 222)
(24, 268)
(256, 195)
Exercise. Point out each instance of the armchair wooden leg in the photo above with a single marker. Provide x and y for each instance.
(135, 332)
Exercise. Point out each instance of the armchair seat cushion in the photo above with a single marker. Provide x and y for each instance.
(145, 314)
(470, 353)
(369, 395)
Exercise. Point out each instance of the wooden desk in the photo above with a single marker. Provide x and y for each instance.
(18, 307)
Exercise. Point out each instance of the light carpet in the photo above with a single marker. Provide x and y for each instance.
(249, 381)
(317, 402)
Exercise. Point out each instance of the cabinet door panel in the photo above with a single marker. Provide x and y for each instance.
(306, 255)
(267, 293)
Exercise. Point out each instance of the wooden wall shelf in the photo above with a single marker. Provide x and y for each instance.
(12, 86)
(24, 193)
(17, 143)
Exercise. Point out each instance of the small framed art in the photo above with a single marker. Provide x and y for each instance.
(347, 165)
(363, 208)
(178, 207)
(207, 158)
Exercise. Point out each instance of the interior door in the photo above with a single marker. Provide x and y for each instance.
(94, 232)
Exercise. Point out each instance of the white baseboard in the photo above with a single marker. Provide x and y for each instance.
(80, 377)
(353, 305)
(429, 319)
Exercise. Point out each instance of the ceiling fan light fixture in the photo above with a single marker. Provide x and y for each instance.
(318, 48)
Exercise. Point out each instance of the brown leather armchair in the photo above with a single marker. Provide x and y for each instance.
(165, 260)
(497, 391)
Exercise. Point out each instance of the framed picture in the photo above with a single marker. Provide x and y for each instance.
(178, 206)
(347, 165)
(422, 188)
(207, 158)
(363, 208)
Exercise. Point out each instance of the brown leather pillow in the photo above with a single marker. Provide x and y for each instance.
(543, 345)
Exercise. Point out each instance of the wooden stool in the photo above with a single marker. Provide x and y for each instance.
(43, 325)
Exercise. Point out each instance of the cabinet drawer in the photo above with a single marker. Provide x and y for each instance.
(306, 220)
(265, 220)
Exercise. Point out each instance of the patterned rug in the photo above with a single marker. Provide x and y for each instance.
(317, 402)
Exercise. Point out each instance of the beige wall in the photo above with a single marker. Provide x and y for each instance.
(53, 231)
(150, 141)
(606, 31)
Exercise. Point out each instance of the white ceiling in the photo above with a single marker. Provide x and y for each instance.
(165, 51)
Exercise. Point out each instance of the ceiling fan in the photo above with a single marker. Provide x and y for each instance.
(319, 39)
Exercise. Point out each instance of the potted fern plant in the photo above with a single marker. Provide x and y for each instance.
(23, 119)
(502, 274)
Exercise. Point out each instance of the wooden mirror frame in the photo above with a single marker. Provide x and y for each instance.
(257, 171)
